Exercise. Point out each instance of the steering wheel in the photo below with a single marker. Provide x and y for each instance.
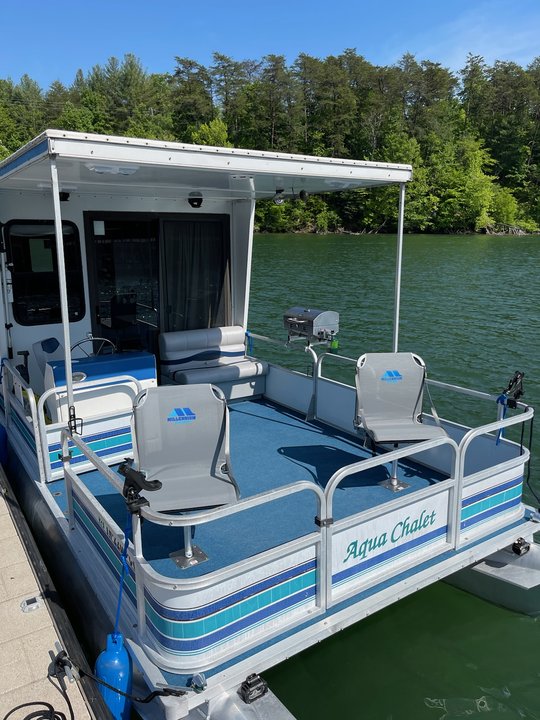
(103, 343)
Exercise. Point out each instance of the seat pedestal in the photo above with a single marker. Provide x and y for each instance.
(190, 555)
(393, 483)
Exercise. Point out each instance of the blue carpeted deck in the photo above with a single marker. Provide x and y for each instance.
(270, 447)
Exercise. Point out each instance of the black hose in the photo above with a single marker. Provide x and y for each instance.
(47, 712)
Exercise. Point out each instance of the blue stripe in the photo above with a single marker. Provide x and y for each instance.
(227, 632)
(481, 517)
(383, 557)
(205, 355)
(198, 643)
(490, 502)
(113, 450)
(223, 619)
(80, 515)
(41, 149)
(27, 435)
(492, 491)
(229, 600)
(92, 438)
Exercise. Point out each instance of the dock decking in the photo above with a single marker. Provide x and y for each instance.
(26, 638)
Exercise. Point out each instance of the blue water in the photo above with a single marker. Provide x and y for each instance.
(469, 308)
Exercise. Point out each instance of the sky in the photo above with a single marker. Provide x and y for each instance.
(50, 39)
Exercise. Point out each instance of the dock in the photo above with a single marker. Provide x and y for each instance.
(29, 631)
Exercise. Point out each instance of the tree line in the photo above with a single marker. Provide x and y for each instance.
(472, 136)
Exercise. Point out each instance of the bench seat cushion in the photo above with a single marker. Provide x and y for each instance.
(221, 374)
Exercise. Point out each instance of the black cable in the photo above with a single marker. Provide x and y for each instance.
(62, 690)
(48, 714)
(62, 661)
(155, 693)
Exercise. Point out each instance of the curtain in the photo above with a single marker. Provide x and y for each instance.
(196, 274)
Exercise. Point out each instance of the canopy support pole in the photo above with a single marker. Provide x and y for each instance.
(401, 212)
(64, 307)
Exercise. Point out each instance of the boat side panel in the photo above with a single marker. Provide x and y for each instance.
(190, 629)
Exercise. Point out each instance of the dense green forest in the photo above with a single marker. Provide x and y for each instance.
(472, 136)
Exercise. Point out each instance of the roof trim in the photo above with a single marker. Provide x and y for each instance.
(35, 150)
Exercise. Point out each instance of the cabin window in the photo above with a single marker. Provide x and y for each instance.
(196, 273)
(31, 249)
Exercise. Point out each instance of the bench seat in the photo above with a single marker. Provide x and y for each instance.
(212, 355)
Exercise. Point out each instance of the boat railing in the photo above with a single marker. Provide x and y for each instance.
(443, 498)
(492, 428)
(386, 509)
(19, 397)
(323, 357)
(268, 340)
(142, 568)
(128, 385)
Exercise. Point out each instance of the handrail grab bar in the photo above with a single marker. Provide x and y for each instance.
(88, 385)
(193, 519)
(465, 443)
(198, 518)
(376, 460)
(33, 413)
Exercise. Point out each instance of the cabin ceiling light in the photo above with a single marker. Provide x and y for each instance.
(278, 197)
(101, 169)
(195, 199)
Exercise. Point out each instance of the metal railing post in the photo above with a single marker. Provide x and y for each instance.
(66, 462)
(139, 575)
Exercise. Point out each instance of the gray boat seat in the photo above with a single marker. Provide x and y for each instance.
(181, 438)
(389, 392)
(211, 355)
(46, 350)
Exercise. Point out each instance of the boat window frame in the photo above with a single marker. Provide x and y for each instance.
(76, 289)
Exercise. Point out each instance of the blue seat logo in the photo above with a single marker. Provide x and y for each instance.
(181, 415)
(392, 376)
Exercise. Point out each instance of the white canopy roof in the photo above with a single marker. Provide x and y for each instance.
(128, 166)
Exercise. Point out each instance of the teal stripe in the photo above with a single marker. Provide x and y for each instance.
(109, 443)
(225, 640)
(181, 629)
(191, 629)
(113, 557)
(490, 502)
(23, 429)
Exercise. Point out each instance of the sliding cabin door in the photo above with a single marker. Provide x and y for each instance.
(151, 274)
(123, 260)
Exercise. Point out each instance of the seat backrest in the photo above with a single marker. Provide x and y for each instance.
(181, 438)
(389, 387)
(46, 350)
(210, 347)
